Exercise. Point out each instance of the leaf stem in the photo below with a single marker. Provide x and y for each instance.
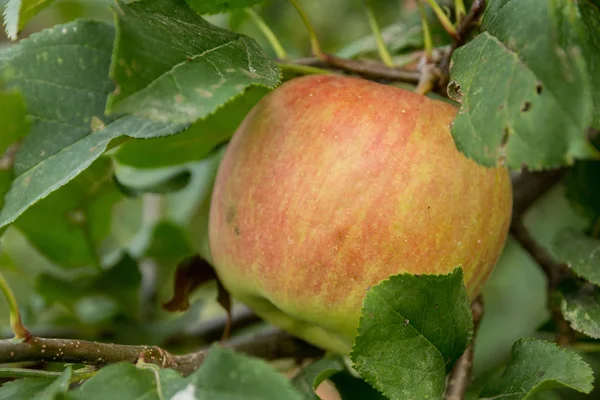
(384, 54)
(460, 10)
(596, 228)
(428, 43)
(36, 373)
(444, 20)
(314, 40)
(586, 347)
(264, 28)
(15, 315)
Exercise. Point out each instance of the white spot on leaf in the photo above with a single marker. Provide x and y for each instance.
(187, 393)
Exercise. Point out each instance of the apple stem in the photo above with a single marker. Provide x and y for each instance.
(428, 43)
(460, 10)
(314, 40)
(264, 28)
(443, 18)
(16, 324)
(384, 54)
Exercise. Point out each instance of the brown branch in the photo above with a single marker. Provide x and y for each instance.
(464, 29)
(366, 68)
(272, 344)
(460, 376)
(528, 187)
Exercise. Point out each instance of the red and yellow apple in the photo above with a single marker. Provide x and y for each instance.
(332, 184)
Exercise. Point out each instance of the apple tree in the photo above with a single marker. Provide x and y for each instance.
(271, 199)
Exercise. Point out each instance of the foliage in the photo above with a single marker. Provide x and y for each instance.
(112, 127)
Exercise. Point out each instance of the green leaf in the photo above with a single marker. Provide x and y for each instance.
(14, 127)
(191, 206)
(582, 188)
(525, 87)
(170, 184)
(411, 331)
(227, 375)
(590, 37)
(311, 376)
(582, 310)
(219, 6)
(70, 63)
(126, 381)
(171, 65)
(170, 245)
(97, 298)
(536, 366)
(79, 214)
(13, 117)
(37, 388)
(580, 252)
(18, 13)
(352, 388)
(196, 142)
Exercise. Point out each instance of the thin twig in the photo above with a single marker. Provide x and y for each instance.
(460, 376)
(367, 68)
(272, 344)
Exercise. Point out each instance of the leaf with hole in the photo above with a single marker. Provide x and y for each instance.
(525, 87)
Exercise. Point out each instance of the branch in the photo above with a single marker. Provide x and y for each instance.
(460, 376)
(273, 344)
(528, 187)
(464, 29)
(367, 68)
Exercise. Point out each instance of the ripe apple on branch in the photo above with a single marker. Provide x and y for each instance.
(331, 185)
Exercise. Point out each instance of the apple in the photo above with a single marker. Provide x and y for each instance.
(330, 185)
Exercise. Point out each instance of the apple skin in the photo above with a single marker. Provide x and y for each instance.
(332, 184)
